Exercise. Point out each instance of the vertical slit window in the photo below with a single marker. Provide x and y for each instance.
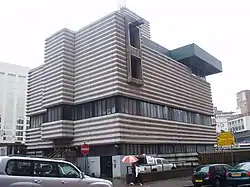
(136, 67)
(134, 36)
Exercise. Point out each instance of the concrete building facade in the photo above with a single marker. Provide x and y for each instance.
(239, 123)
(220, 120)
(13, 121)
(112, 87)
(240, 127)
(243, 102)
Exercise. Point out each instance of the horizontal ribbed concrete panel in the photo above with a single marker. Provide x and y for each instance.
(34, 139)
(57, 129)
(96, 60)
(97, 130)
(122, 127)
(35, 91)
(162, 131)
(63, 73)
(165, 81)
(145, 28)
(57, 36)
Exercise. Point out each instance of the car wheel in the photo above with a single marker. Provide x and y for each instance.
(217, 183)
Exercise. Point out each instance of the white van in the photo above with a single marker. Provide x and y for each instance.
(151, 164)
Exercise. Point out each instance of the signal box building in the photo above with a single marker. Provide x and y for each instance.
(109, 85)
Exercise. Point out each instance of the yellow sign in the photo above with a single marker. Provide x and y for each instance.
(225, 139)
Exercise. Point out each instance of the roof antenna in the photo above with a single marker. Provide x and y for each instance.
(121, 4)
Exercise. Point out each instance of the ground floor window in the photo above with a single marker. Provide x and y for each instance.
(134, 149)
(138, 149)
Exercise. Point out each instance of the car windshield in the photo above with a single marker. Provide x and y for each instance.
(244, 166)
(203, 169)
(142, 160)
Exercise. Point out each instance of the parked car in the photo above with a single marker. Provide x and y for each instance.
(38, 172)
(212, 174)
(163, 165)
(239, 175)
(151, 164)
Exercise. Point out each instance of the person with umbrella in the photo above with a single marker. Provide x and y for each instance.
(135, 169)
(137, 174)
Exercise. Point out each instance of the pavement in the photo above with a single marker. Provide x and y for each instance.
(178, 182)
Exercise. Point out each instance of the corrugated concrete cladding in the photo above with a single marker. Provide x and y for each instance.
(90, 64)
(35, 91)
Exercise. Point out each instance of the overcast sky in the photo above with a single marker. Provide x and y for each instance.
(221, 27)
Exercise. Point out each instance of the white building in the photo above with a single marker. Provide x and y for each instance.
(220, 120)
(13, 121)
(239, 124)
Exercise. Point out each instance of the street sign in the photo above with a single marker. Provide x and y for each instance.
(225, 139)
(85, 149)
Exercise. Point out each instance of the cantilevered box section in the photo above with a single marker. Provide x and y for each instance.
(200, 62)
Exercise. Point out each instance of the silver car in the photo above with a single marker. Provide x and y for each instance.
(20, 171)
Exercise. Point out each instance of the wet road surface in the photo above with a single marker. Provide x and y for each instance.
(178, 182)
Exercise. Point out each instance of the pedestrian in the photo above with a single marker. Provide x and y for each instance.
(133, 171)
(138, 175)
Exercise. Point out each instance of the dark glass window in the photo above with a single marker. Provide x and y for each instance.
(99, 108)
(120, 105)
(126, 105)
(67, 112)
(170, 114)
(184, 113)
(54, 113)
(151, 108)
(37, 120)
(145, 109)
(189, 117)
(88, 110)
(139, 108)
(20, 121)
(113, 103)
(109, 106)
(19, 168)
(159, 112)
(104, 109)
(165, 112)
(149, 111)
(130, 106)
(95, 104)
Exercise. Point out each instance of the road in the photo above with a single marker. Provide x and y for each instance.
(178, 182)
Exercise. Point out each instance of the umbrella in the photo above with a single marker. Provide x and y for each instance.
(129, 159)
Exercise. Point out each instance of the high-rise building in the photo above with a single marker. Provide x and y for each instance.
(243, 102)
(13, 121)
(109, 85)
(239, 125)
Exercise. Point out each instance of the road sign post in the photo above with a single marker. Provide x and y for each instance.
(226, 139)
(85, 152)
(232, 155)
(85, 149)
